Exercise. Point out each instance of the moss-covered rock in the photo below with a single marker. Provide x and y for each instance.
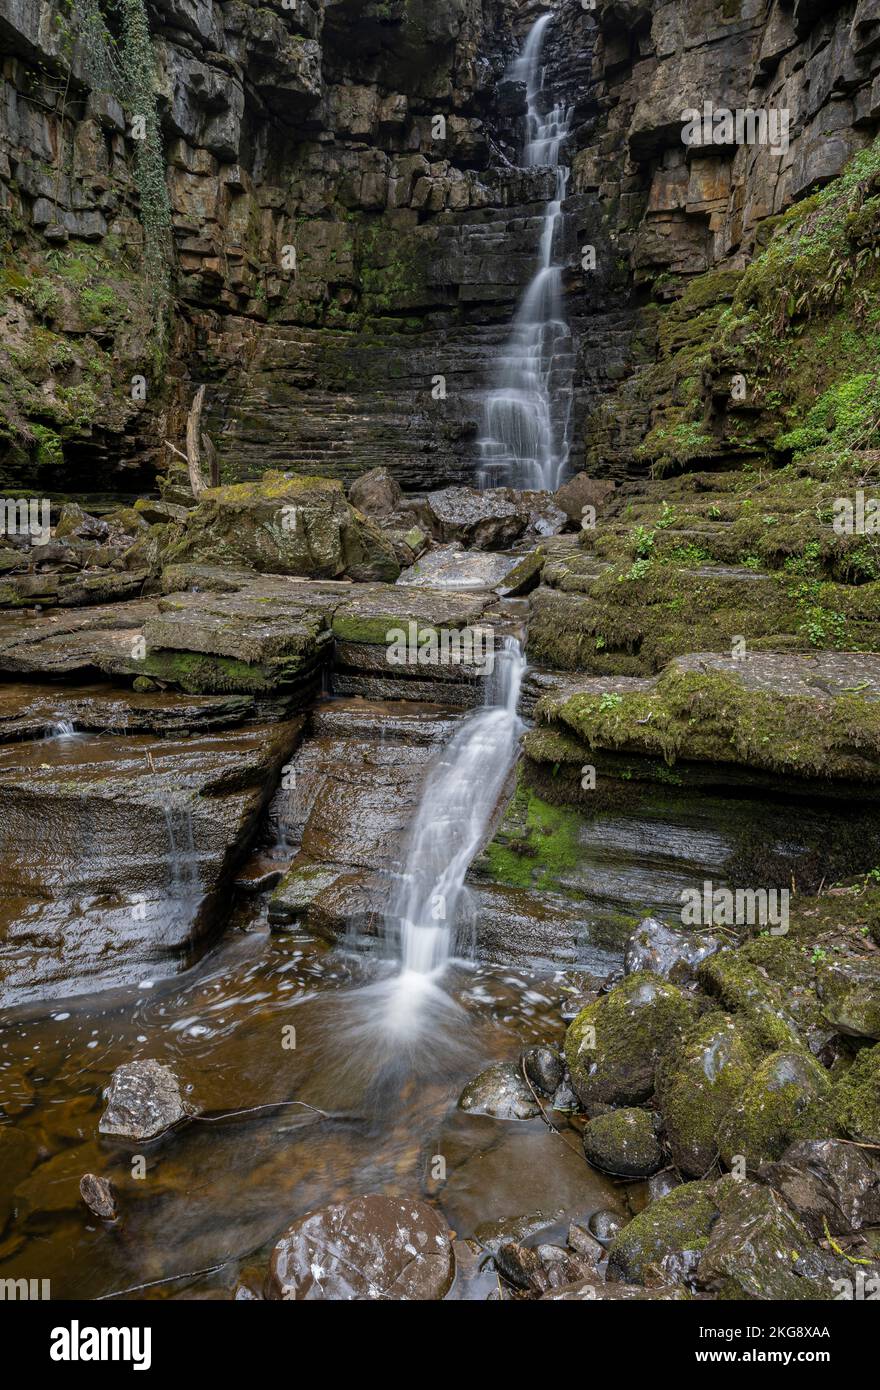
(285, 525)
(614, 1045)
(698, 1082)
(758, 1249)
(850, 993)
(663, 1244)
(856, 1098)
(623, 1142)
(786, 1098)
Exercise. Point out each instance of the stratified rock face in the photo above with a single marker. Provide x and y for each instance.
(143, 1101)
(349, 230)
(116, 850)
(364, 1249)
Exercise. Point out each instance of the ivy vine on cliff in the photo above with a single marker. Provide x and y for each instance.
(118, 55)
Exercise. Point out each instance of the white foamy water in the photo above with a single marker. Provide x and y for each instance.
(525, 436)
(460, 795)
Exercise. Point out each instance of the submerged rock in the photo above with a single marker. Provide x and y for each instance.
(502, 1092)
(673, 954)
(99, 1196)
(830, 1182)
(143, 1101)
(589, 1290)
(366, 1248)
(614, 1045)
(623, 1142)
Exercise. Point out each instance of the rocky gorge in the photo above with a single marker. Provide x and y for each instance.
(417, 883)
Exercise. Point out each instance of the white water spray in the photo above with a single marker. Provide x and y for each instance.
(525, 437)
(460, 795)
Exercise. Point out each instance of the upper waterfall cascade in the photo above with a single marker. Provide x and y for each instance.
(525, 432)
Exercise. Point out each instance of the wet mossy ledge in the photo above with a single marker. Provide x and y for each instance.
(813, 717)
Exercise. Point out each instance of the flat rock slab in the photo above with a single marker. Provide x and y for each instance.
(31, 711)
(791, 674)
(369, 1248)
(451, 567)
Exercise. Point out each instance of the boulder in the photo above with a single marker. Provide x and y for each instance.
(582, 491)
(502, 1092)
(787, 1097)
(850, 993)
(663, 1243)
(367, 1248)
(758, 1249)
(613, 1046)
(828, 1183)
(376, 493)
(623, 1142)
(488, 520)
(697, 1083)
(143, 1101)
(284, 525)
(675, 955)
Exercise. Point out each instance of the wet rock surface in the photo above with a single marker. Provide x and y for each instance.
(144, 1101)
(501, 1092)
(675, 955)
(623, 1143)
(366, 1248)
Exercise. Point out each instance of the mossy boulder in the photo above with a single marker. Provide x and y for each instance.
(850, 993)
(856, 1099)
(663, 1244)
(758, 1249)
(745, 988)
(623, 1142)
(285, 525)
(786, 1098)
(614, 1045)
(698, 1082)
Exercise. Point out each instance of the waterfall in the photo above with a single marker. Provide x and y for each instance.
(60, 728)
(184, 887)
(460, 795)
(525, 435)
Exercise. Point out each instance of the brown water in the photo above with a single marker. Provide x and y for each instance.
(218, 1191)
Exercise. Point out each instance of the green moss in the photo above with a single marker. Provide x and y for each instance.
(50, 450)
(856, 1098)
(679, 1222)
(787, 1097)
(197, 674)
(614, 1045)
(698, 1082)
(712, 717)
(543, 845)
